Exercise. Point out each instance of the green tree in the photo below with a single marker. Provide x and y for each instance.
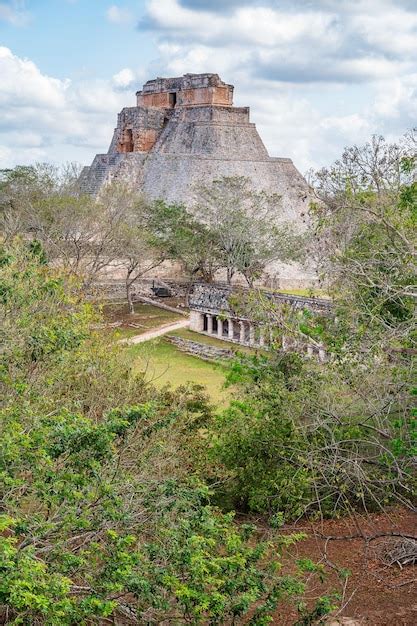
(184, 239)
(102, 513)
(342, 435)
(247, 226)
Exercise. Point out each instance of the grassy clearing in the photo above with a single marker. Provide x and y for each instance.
(162, 363)
(146, 317)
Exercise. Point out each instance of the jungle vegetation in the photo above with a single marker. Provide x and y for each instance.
(120, 502)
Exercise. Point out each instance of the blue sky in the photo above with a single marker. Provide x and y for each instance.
(318, 75)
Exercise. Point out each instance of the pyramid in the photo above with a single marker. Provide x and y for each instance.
(185, 131)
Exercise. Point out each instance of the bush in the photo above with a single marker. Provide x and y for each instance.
(102, 513)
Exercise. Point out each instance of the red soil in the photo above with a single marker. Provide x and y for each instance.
(374, 594)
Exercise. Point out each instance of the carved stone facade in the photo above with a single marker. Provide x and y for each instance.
(212, 312)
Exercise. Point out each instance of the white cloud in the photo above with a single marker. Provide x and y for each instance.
(124, 78)
(23, 83)
(254, 25)
(334, 42)
(118, 15)
(317, 76)
(45, 118)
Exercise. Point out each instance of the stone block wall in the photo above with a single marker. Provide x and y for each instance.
(200, 350)
(187, 90)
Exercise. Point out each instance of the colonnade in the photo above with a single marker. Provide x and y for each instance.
(239, 331)
(247, 333)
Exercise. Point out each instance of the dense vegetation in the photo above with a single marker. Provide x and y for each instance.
(117, 499)
(102, 511)
(343, 436)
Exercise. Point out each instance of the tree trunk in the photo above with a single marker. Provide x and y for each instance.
(129, 296)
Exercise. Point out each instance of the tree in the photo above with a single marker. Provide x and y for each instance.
(366, 235)
(103, 515)
(77, 231)
(245, 225)
(340, 436)
(138, 250)
(183, 238)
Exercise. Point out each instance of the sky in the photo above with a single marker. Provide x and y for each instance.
(317, 75)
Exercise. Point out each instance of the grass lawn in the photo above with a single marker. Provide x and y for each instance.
(163, 363)
(146, 317)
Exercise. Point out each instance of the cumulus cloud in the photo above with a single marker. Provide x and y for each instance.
(317, 76)
(45, 118)
(124, 78)
(292, 42)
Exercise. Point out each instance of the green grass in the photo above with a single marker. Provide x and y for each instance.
(162, 363)
(308, 293)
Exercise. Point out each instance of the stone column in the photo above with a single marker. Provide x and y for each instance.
(230, 333)
(322, 355)
(251, 334)
(310, 351)
(261, 338)
(209, 323)
(284, 343)
(196, 321)
(219, 327)
(242, 332)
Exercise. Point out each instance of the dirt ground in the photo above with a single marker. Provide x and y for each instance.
(145, 318)
(374, 594)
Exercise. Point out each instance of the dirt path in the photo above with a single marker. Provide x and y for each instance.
(156, 332)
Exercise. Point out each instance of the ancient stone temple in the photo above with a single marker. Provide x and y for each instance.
(186, 130)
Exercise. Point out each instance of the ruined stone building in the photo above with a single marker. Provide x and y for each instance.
(214, 311)
(184, 131)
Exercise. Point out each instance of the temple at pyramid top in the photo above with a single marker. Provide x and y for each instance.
(187, 90)
(191, 113)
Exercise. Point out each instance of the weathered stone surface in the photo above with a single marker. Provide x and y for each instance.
(201, 350)
(185, 131)
(216, 299)
(227, 313)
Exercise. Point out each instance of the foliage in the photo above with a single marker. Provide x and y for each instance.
(184, 239)
(245, 225)
(340, 436)
(231, 228)
(76, 545)
(82, 234)
(302, 439)
(366, 238)
(102, 514)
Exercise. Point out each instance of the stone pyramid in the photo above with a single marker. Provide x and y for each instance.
(185, 131)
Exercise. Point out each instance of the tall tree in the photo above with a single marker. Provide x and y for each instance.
(85, 235)
(185, 239)
(246, 225)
